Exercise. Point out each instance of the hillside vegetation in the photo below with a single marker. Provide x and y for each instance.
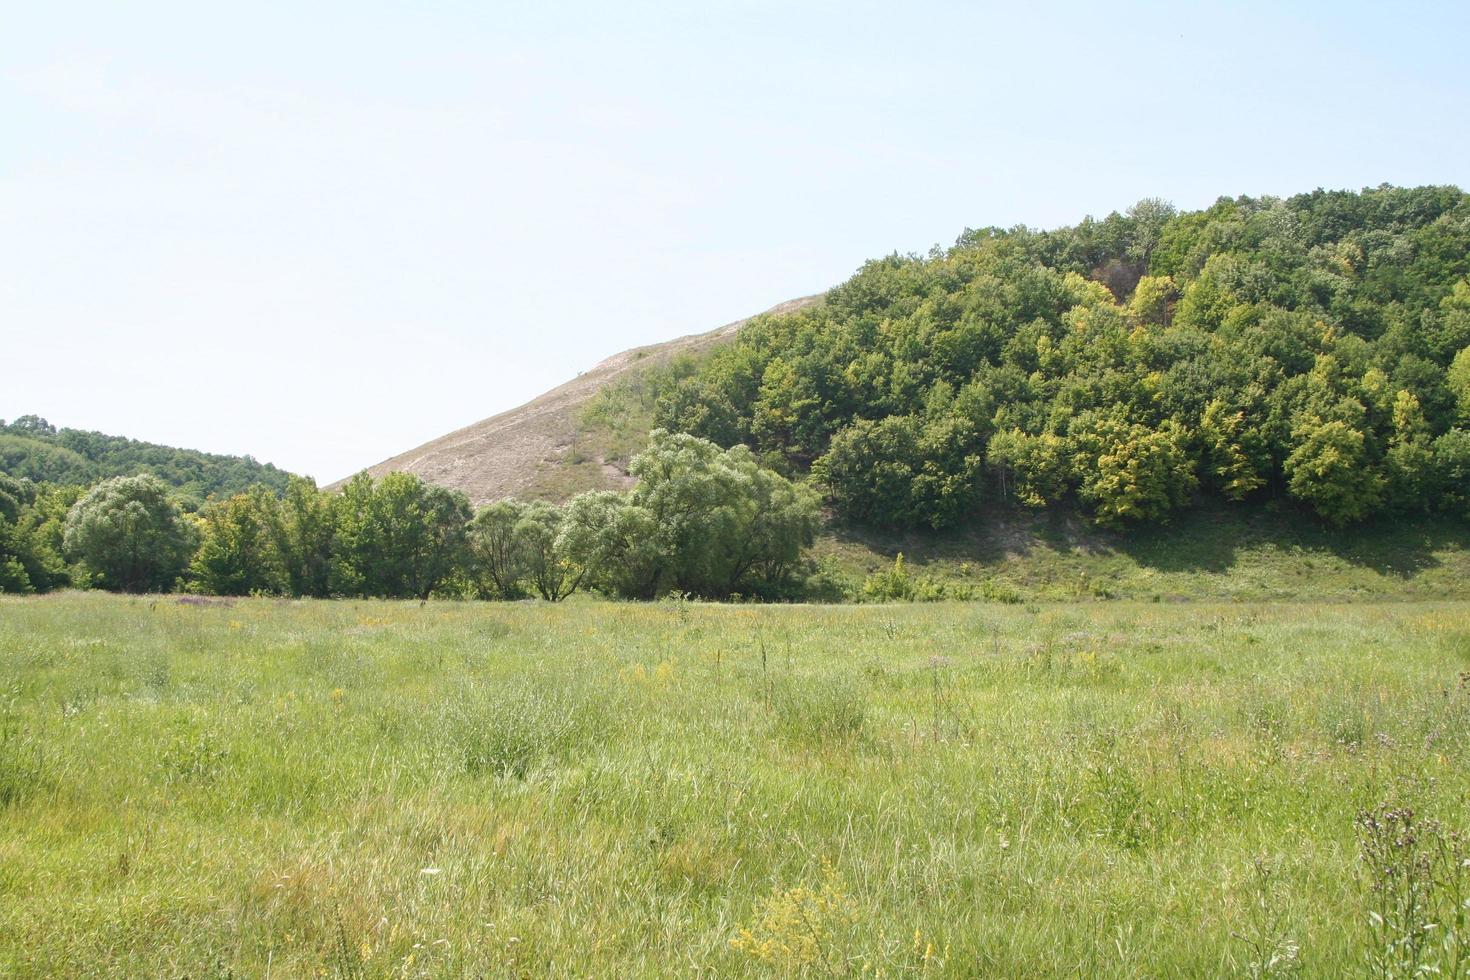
(33, 449)
(372, 789)
(1266, 399)
(1314, 349)
(1214, 551)
(45, 472)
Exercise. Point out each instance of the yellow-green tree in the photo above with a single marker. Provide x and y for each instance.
(1130, 472)
(238, 553)
(1329, 469)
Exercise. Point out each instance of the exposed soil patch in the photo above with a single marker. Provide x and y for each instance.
(515, 453)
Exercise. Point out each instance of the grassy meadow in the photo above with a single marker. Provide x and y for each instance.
(371, 789)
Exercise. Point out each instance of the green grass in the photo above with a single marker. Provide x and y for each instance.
(378, 789)
(1213, 551)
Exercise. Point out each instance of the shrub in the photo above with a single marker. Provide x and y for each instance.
(898, 584)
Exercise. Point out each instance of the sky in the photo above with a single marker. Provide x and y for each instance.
(323, 233)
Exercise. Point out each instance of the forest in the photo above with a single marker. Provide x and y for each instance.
(1313, 349)
(32, 448)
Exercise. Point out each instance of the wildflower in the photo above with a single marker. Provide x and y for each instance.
(795, 927)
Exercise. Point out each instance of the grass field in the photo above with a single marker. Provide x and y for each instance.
(378, 789)
(1213, 551)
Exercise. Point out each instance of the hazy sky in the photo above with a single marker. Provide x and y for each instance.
(321, 233)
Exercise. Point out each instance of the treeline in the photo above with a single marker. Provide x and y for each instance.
(33, 449)
(701, 520)
(1315, 349)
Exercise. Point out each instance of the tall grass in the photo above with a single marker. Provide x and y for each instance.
(377, 789)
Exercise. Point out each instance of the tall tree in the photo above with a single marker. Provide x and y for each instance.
(496, 554)
(702, 520)
(400, 537)
(304, 529)
(15, 495)
(130, 534)
(238, 552)
(1329, 469)
(537, 537)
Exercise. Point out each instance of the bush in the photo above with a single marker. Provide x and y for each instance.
(898, 584)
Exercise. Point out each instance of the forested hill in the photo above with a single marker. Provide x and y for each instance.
(32, 448)
(1313, 349)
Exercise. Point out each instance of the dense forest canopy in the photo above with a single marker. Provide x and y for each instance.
(1315, 348)
(33, 449)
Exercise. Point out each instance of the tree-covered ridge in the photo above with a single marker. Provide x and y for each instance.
(33, 449)
(1315, 348)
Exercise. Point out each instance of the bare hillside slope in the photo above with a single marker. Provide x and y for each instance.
(533, 451)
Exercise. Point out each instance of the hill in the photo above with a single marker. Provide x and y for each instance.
(1266, 398)
(34, 449)
(1312, 350)
(548, 448)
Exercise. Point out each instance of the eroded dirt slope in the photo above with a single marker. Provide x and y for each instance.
(528, 451)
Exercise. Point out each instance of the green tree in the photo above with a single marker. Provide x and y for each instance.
(1152, 300)
(400, 537)
(869, 470)
(616, 543)
(770, 522)
(1452, 468)
(1458, 380)
(1451, 330)
(34, 539)
(238, 552)
(1233, 454)
(1410, 457)
(1034, 469)
(31, 446)
(130, 534)
(783, 417)
(1224, 329)
(304, 529)
(15, 496)
(947, 486)
(548, 565)
(702, 520)
(1130, 472)
(722, 524)
(1329, 469)
(497, 556)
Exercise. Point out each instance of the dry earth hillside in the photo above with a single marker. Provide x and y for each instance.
(542, 449)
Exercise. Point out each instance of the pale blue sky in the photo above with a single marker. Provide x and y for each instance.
(321, 233)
